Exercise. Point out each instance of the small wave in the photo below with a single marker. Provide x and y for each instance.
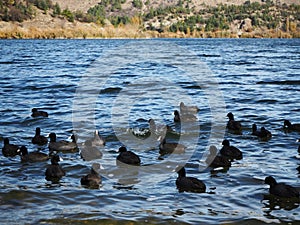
(7, 62)
(209, 55)
(110, 90)
(267, 101)
(240, 62)
(283, 82)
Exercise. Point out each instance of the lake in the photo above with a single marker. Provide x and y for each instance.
(116, 86)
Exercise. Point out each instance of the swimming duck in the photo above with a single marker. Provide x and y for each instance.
(214, 160)
(54, 172)
(169, 148)
(127, 157)
(263, 133)
(62, 145)
(97, 140)
(234, 125)
(188, 109)
(93, 179)
(184, 117)
(38, 113)
(255, 132)
(189, 184)
(10, 150)
(281, 189)
(293, 127)
(230, 151)
(158, 129)
(90, 152)
(32, 156)
(38, 138)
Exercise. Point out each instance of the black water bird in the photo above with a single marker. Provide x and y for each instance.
(54, 172)
(263, 133)
(292, 127)
(188, 109)
(214, 160)
(230, 151)
(233, 125)
(158, 129)
(10, 150)
(97, 140)
(90, 152)
(281, 189)
(93, 179)
(38, 138)
(32, 156)
(64, 146)
(184, 117)
(127, 157)
(170, 147)
(38, 113)
(255, 132)
(189, 184)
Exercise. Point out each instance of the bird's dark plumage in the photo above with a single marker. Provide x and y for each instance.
(169, 148)
(63, 146)
(263, 133)
(281, 189)
(293, 127)
(158, 129)
(97, 140)
(214, 160)
(188, 109)
(233, 125)
(93, 179)
(54, 172)
(90, 152)
(38, 113)
(128, 157)
(10, 150)
(184, 117)
(38, 138)
(230, 151)
(32, 156)
(189, 184)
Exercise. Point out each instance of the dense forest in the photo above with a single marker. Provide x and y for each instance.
(179, 17)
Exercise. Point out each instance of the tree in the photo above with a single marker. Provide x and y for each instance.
(68, 14)
(56, 10)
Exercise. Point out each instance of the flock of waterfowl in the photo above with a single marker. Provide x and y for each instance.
(223, 158)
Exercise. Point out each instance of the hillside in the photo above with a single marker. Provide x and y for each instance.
(145, 18)
(74, 5)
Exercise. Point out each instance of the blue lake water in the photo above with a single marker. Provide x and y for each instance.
(116, 86)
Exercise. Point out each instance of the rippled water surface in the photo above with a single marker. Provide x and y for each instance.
(116, 86)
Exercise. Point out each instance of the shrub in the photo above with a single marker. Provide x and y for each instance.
(68, 14)
(56, 10)
(137, 4)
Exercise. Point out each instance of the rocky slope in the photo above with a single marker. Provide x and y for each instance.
(158, 18)
(85, 5)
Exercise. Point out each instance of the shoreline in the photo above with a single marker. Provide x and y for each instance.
(93, 31)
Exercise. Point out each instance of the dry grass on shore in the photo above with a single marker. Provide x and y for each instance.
(82, 31)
